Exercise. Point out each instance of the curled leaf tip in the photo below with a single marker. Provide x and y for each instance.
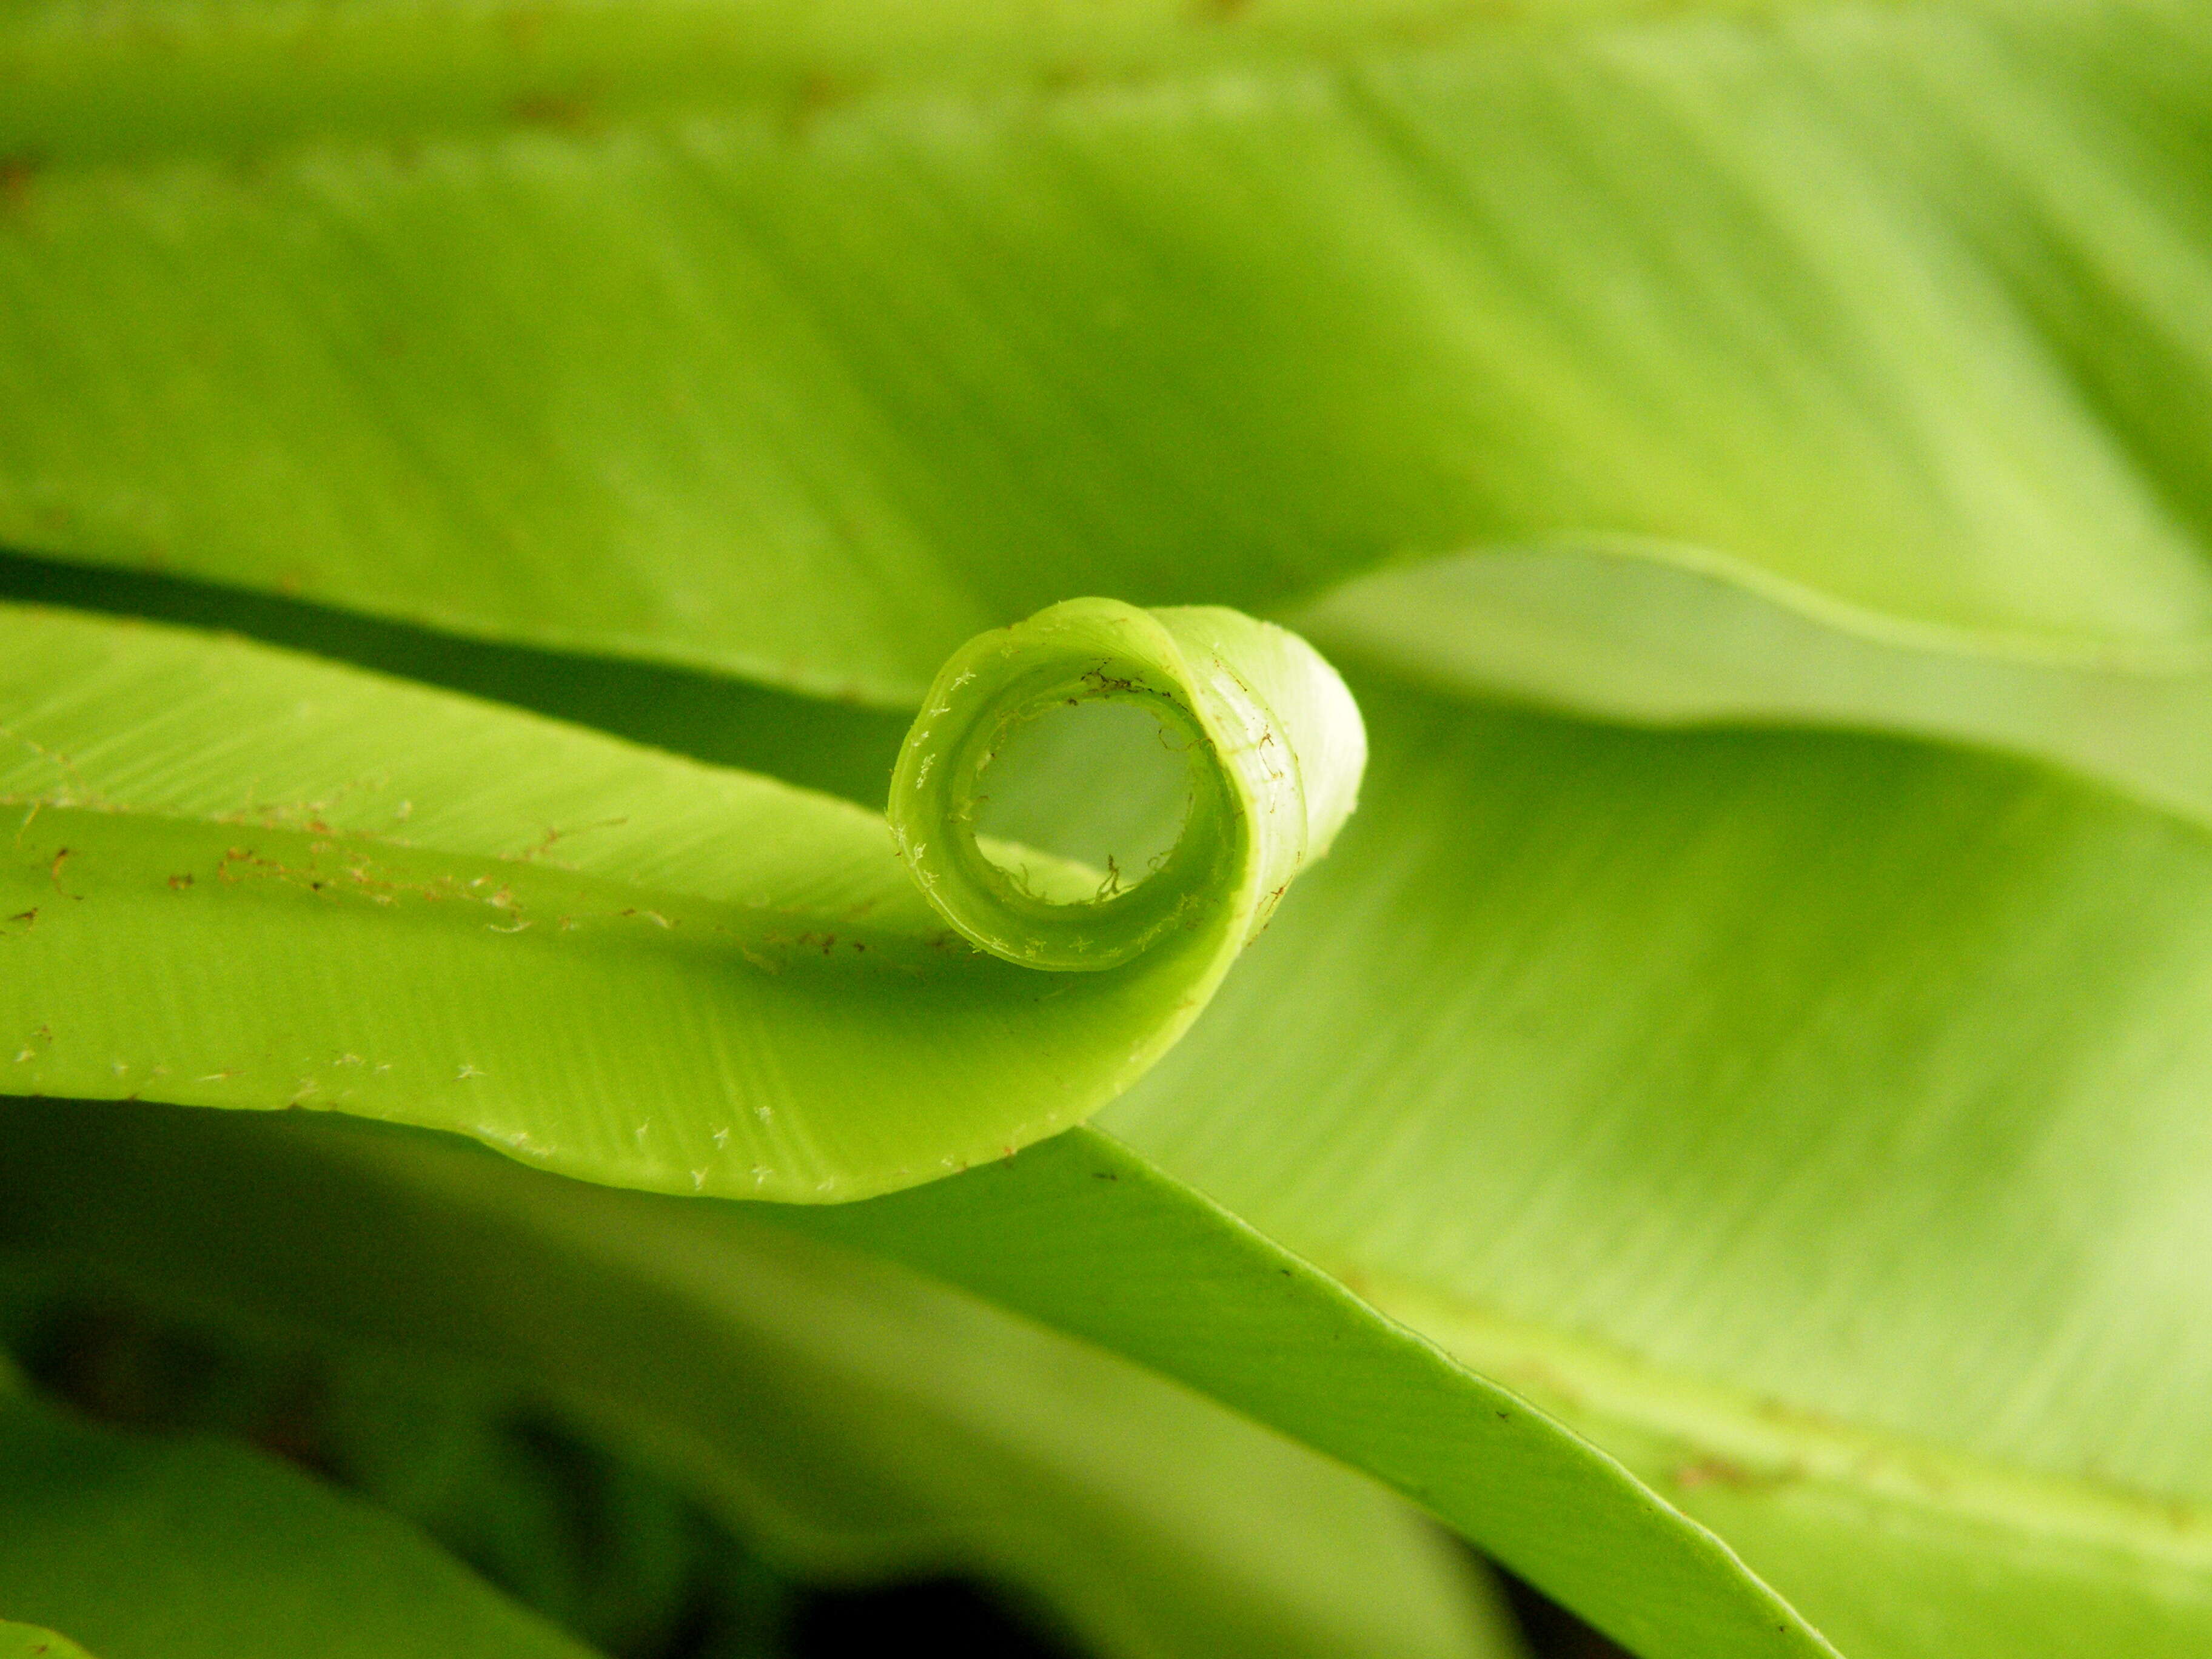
(726, 989)
(1273, 749)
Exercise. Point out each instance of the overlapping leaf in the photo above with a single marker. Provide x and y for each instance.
(340, 892)
(853, 1416)
(865, 1418)
(1813, 1120)
(1636, 640)
(808, 348)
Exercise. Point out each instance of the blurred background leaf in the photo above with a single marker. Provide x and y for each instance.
(804, 349)
(154, 1550)
(852, 1417)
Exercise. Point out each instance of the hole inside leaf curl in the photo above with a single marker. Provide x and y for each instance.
(1101, 781)
(1207, 680)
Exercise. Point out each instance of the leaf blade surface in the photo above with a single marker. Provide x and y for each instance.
(1810, 1119)
(1816, 289)
(342, 891)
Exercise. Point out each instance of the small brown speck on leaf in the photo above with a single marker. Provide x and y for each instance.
(817, 95)
(523, 26)
(563, 112)
(16, 172)
(1712, 1472)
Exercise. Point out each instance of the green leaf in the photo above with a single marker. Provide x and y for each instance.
(1815, 1121)
(140, 725)
(1084, 1235)
(29, 1642)
(342, 892)
(174, 1550)
(1636, 640)
(840, 748)
(868, 1420)
(805, 345)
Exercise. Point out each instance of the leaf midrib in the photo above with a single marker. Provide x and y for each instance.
(1714, 1432)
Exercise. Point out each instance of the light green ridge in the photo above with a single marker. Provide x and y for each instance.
(1077, 1233)
(1892, 1546)
(1848, 1081)
(858, 1419)
(238, 878)
(1083, 1234)
(1642, 636)
(203, 1550)
(848, 358)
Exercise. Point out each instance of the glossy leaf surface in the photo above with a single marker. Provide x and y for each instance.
(344, 892)
(1811, 1119)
